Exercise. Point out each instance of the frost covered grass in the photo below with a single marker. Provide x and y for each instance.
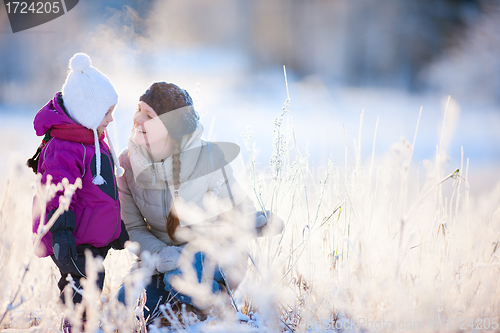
(381, 245)
(377, 243)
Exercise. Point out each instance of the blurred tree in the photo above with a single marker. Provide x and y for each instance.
(356, 42)
(34, 62)
(471, 69)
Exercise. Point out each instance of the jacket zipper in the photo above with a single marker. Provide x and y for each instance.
(154, 174)
(164, 201)
(165, 195)
(117, 209)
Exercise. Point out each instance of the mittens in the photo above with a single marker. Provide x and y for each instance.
(270, 226)
(261, 219)
(167, 258)
(63, 241)
(64, 246)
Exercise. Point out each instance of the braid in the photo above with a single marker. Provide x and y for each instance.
(173, 219)
(176, 164)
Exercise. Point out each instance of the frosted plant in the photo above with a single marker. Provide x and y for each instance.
(44, 193)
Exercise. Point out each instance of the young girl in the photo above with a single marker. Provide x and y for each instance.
(166, 164)
(74, 125)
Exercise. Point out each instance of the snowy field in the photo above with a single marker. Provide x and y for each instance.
(382, 233)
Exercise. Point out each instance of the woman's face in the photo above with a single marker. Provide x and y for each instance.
(148, 127)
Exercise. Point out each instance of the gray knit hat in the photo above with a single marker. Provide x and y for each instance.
(174, 106)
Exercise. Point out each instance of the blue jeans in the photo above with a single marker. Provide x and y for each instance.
(217, 280)
(160, 291)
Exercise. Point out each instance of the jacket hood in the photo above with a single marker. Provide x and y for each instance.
(50, 115)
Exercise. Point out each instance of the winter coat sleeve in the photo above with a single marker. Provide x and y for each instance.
(60, 163)
(131, 215)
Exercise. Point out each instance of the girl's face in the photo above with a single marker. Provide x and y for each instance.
(106, 120)
(148, 127)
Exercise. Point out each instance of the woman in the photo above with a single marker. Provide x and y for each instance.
(179, 199)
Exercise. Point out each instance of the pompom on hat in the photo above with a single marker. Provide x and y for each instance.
(88, 94)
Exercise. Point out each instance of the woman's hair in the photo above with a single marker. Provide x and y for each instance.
(165, 97)
(173, 219)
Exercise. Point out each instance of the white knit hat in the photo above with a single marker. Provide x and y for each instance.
(88, 94)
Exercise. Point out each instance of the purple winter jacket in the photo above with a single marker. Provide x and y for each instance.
(96, 207)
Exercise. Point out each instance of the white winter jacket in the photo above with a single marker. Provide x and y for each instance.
(145, 200)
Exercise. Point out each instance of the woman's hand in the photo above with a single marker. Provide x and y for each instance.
(268, 224)
(167, 258)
